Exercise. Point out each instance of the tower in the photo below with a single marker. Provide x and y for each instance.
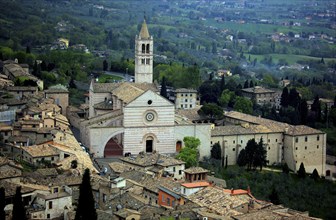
(143, 56)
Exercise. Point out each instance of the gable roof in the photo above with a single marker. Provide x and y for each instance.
(157, 100)
(144, 34)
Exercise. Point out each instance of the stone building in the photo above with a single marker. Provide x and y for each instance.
(283, 142)
(261, 95)
(186, 98)
(60, 94)
(132, 117)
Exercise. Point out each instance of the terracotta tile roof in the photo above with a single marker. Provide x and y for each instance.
(185, 90)
(104, 87)
(273, 126)
(127, 92)
(42, 150)
(191, 114)
(239, 129)
(57, 89)
(195, 185)
(118, 167)
(10, 188)
(18, 139)
(22, 88)
(219, 201)
(103, 105)
(194, 170)
(47, 172)
(257, 90)
(147, 160)
(302, 130)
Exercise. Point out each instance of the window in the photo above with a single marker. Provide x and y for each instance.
(190, 95)
(50, 205)
(276, 140)
(296, 140)
(168, 201)
(186, 100)
(185, 106)
(147, 48)
(181, 106)
(52, 158)
(173, 169)
(305, 147)
(48, 215)
(306, 139)
(104, 197)
(182, 95)
(142, 61)
(269, 148)
(234, 142)
(190, 106)
(269, 140)
(147, 61)
(241, 141)
(296, 148)
(180, 172)
(317, 146)
(143, 48)
(318, 137)
(55, 190)
(162, 198)
(233, 149)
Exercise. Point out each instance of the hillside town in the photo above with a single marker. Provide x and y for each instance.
(143, 132)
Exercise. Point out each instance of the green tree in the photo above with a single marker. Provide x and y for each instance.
(315, 175)
(259, 159)
(105, 65)
(216, 152)
(302, 171)
(285, 168)
(243, 105)
(189, 153)
(222, 83)
(86, 207)
(242, 158)
(212, 111)
(226, 98)
(284, 98)
(19, 212)
(2, 204)
(163, 91)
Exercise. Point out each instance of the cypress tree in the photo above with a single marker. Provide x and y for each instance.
(105, 65)
(302, 171)
(284, 98)
(251, 84)
(2, 204)
(315, 175)
(246, 84)
(303, 111)
(19, 212)
(86, 206)
(222, 83)
(163, 91)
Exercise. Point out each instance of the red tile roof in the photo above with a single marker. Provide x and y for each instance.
(196, 184)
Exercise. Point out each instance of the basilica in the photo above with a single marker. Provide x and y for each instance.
(132, 117)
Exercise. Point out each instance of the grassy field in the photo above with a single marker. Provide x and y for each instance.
(290, 58)
(104, 78)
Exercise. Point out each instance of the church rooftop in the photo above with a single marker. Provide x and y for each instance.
(144, 34)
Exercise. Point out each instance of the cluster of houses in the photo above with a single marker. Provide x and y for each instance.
(146, 186)
(135, 121)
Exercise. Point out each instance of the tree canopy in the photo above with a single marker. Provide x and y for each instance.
(212, 111)
(189, 153)
(253, 156)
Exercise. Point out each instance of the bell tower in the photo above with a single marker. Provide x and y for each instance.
(143, 56)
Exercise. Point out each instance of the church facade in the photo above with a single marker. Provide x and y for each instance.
(132, 117)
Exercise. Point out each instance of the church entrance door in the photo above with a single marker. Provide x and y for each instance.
(149, 146)
(178, 146)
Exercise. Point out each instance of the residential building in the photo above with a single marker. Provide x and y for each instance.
(60, 95)
(261, 95)
(186, 98)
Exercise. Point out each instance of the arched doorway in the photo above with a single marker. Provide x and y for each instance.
(149, 144)
(178, 146)
(114, 147)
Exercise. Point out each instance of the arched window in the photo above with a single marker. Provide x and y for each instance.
(143, 49)
(147, 48)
